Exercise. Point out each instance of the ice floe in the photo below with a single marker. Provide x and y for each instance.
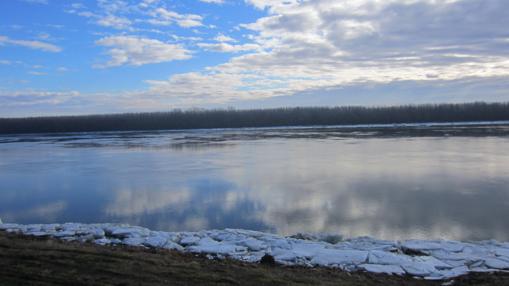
(428, 259)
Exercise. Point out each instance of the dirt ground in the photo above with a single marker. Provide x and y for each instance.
(31, 261)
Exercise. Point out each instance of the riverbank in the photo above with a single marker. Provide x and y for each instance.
(29, 260)
(439, 260)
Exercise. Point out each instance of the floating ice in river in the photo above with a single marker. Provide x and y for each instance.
(429, 259)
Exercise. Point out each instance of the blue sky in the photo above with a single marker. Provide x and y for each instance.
(99, 56)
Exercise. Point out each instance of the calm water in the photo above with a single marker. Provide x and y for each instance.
(395, 182)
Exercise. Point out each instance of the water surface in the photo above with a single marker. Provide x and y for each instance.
(390, 182)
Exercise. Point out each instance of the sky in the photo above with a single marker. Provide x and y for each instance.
(108, 56)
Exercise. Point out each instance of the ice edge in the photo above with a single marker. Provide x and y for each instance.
(428, 259)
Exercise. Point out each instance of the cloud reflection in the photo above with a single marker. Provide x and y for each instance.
(385, 188)
(405, 187)
(137, 202)
(49, 212)
(389, 188)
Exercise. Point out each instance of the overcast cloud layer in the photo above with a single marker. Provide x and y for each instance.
(201, 54)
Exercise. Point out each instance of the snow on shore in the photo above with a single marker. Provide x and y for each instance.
(428, 259)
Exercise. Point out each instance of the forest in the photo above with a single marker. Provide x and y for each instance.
(232, 118)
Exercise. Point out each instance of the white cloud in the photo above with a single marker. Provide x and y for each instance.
(126, 15)
(130, 50)
(32, 97)
(36, 1)
(185, 39)
(114, 22)
(5, 62)
(113, 6)
(164, 17)
(321, 44)
(301, 46)
(37, 73)
(147, 3)
(43, 36)
(196, 88)
(274, 5)
(224, 38)
(37, 45)
(77, 5)
(38, 93)
(228, 48)
(213, 1)
(111, 13)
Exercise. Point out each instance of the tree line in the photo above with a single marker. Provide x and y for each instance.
(231, 118)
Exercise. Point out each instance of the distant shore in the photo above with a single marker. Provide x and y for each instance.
(28, 260)
(276, 117)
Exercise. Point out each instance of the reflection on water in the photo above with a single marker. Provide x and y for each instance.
(419, 182)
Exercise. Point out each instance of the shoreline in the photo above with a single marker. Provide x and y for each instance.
(386, 126)
(30, 260)
(424, 259)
